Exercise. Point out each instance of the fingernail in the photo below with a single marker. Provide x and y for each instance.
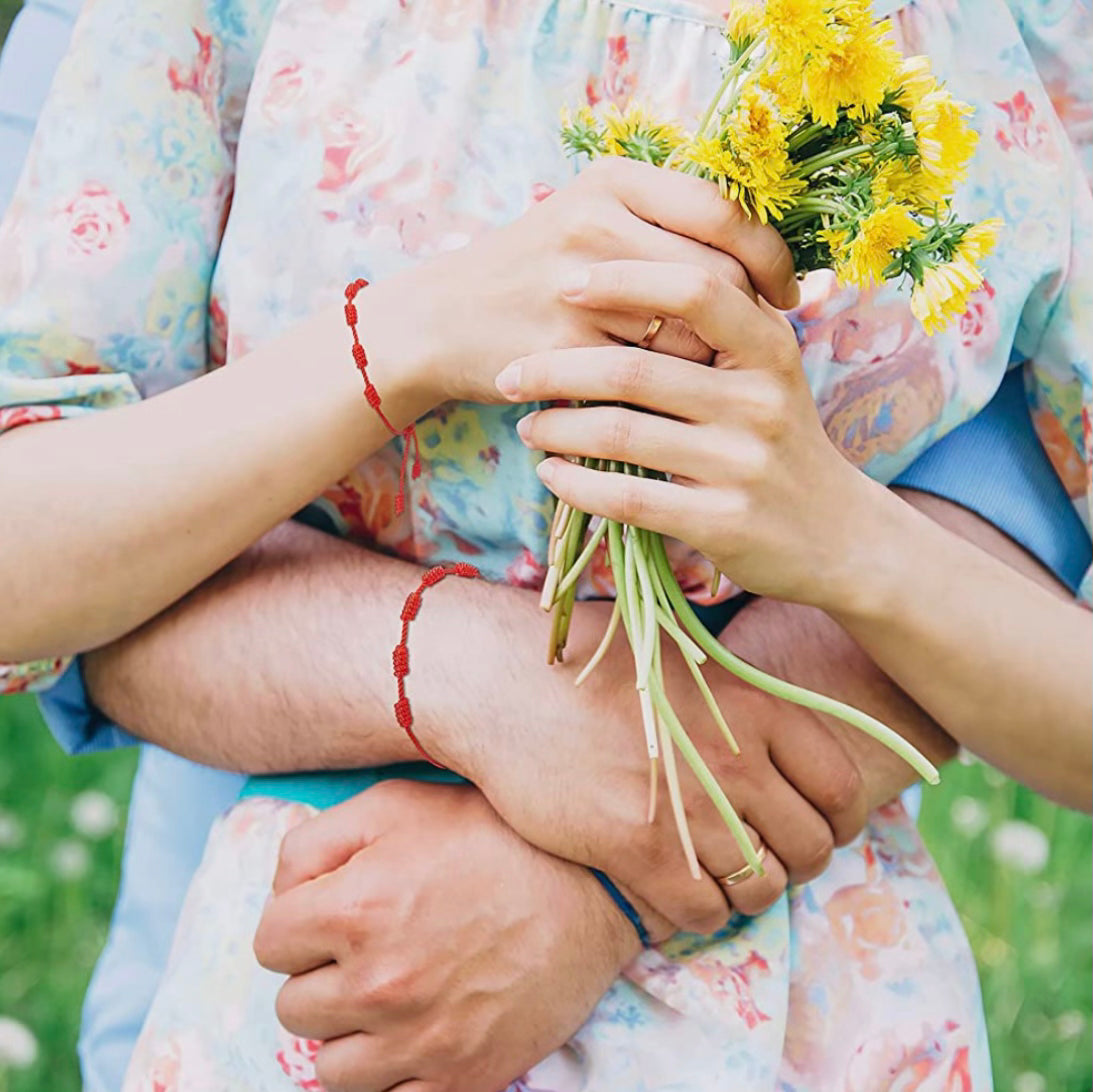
(508, 382)
(523, 426)
(545, 470)
(575, 282)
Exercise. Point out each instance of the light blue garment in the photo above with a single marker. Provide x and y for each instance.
(993, 465)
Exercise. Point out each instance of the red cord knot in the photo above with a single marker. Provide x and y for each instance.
(372, 397)
(411, 606)
(465, 570)
(403, 715)
(433, 576)
(400, 658)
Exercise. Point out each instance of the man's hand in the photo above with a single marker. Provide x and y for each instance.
(430, 947)
(573, 779)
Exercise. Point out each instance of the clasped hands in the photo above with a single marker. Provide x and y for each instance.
(447, 938)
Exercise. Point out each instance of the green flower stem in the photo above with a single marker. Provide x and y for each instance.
(648, 599)
(604, 645)
(689, 649)
(707, 780)
(800, 137)
(711, 704)
(731, 73)
(616, 553)
(779, 688)
(827, 158)
(573, 573)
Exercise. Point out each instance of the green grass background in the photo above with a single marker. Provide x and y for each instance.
(1031, 934)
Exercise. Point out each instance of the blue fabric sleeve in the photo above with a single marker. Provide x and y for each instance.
(74, 721)
(995, 466)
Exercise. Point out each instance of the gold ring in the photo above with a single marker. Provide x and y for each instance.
(651, 331)
(745, 873)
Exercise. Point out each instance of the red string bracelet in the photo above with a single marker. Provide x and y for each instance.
(372, 397)
(400, 658)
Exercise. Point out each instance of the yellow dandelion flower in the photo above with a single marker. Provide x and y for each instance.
(748, 158)
(944, 293)
(855, 74)
(637, 134)
(946, 142)
(797, 30)
(915, 81)
(978, 241)
(863, 260)
(906, 182)
(745, 23)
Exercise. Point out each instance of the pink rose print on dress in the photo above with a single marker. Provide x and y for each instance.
(526, 571)
(14, 416)
(867, 918)
(733, 983)
(616, 85)
(201, 77)
(1025, 131)
(352, 143)
(287, 86)
(95, 222)
(297, 1060)
(909, 1068)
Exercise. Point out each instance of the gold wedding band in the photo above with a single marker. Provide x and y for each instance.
(651, 331)
(745, 873)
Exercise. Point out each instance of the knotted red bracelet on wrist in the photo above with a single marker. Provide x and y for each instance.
(400, 658)
(372, 396)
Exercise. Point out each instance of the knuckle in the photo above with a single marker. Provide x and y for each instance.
(629, 376)
(633, 507)
(700, 291)
(330, 1072)
(286, 1009)
(619, 429)
(708, 916)
(813, 858)
(843, 791)
(291, 856)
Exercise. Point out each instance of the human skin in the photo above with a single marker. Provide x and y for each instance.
(282, 423)
(755, 484)
(351, 969)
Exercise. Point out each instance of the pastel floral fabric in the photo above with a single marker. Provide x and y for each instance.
(209, 171)
(861, 981)
(191, 147)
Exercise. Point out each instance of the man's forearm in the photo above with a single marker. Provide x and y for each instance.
(282, 661)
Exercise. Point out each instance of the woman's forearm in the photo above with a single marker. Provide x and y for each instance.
(112, 517)
(997, 658)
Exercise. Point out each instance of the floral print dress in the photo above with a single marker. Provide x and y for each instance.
(209, 171)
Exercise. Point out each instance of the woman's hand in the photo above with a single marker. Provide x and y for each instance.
(429, 944)
(459, 319)
(755, 484)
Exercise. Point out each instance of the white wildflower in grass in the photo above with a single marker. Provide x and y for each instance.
(12, 831)
(18, 1046)
(1029, 1081)
(1069, 1025)
(969, 816)
(1021, 846)
(70, 860)
(93, 814)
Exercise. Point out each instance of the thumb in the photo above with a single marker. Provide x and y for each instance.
(326, 841)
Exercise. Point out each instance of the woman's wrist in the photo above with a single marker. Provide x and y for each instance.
(866, 573)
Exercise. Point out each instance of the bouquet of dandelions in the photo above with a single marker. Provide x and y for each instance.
(821, 128)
